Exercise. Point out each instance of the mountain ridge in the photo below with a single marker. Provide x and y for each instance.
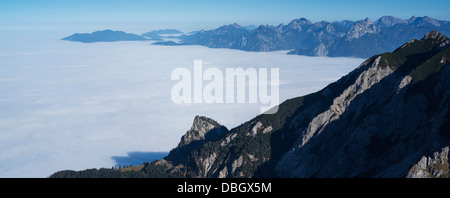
(387, 118)
(114, 36)
(361, 39)
(104, 36)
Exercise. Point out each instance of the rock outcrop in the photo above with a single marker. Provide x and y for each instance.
(431, 167)
(202, 129)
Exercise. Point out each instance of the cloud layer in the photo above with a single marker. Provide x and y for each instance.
(68, 105)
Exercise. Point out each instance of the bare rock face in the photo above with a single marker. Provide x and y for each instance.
(372, 75)
(362, 28)
(431, 167)
(435, 35)
(207, 163)
(382, 123)
(203, 128)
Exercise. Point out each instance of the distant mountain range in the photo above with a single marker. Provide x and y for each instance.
(361, 39)
(113, 36)
(390, 117)
(344, 38)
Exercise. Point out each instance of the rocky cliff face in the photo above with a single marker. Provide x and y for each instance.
(431, 167)
(202, 129)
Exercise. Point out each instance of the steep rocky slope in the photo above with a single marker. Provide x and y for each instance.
(393, 113)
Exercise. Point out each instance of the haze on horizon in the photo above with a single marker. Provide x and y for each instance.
(202, 14)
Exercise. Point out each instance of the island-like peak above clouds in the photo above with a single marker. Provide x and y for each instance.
(165, 31)
(104, 36)
(159, 35)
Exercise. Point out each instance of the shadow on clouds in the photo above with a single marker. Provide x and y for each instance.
(138, 158)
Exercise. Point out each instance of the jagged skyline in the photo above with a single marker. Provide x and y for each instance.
(198, 13)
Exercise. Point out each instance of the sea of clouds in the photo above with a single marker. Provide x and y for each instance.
(68, 105)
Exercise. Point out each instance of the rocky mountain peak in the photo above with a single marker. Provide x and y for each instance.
(435, 35)
(199, 121)
(233, 26)
(299, 23)
(389, 21)
(431, 20)
(436, 166)
(345, 23)
(279, 27)
(412, 19)
(423, 21)
(438, 37)
(202, 128)
(362, 28)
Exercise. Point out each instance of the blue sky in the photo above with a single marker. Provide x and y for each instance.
(198, 12)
